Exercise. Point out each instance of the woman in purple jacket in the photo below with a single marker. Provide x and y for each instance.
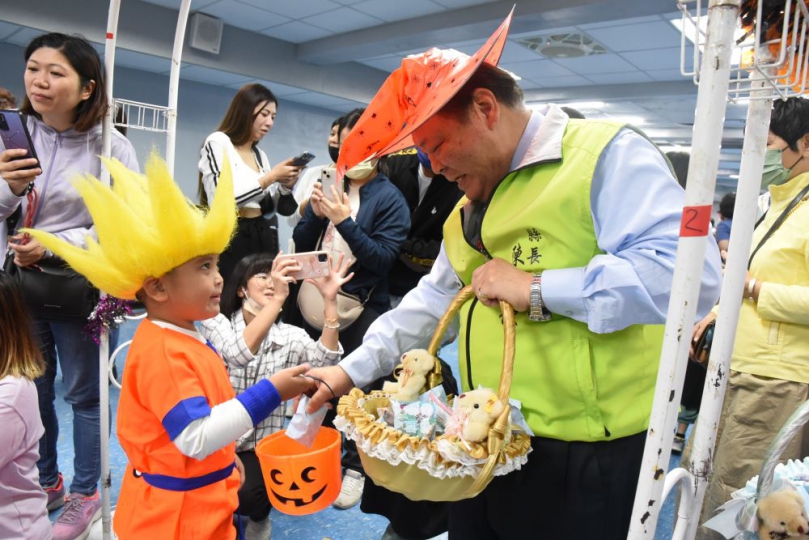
(65, 103)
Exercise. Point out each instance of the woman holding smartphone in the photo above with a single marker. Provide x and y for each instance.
(255, 345)
(65, 103)
(259, 188)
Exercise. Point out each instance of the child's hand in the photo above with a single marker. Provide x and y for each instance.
(290, 383)
(330, 285)
(281, 278)
(240, 468)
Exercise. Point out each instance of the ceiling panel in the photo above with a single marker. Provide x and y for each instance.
(600, 63)
(343, 19)
(23, 36)
(514, 52)
(666, 74)
(280, 90)
(619, 78)
(294, 9)
(397, 10)
(388, 63)
(6, 29)
(243, 16)
(212, 76)
(637, 37)
(462, 3)
(619, 22)
(323, 100)
(560, 82)
(296, 32)
(196, 5)
(145, 62)
(655, 59)
(536, 69)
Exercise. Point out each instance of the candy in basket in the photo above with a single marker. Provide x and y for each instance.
(472, 440)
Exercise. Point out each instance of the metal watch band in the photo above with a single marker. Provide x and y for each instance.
(537, 311)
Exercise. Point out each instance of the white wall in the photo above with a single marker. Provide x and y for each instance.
(200, 109)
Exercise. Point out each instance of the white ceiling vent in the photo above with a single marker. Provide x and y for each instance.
(570, 45)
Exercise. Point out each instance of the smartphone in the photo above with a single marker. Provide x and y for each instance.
(328, 178)
(14, 133)
(303, 159)
(314, 264)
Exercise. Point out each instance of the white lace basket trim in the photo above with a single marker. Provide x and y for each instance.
(461, 464)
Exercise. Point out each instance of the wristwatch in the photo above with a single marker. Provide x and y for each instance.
(537, 311)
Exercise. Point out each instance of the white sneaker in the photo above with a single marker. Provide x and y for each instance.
(351, 492)
(258, 530)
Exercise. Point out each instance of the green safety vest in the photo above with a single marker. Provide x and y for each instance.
(574, 385)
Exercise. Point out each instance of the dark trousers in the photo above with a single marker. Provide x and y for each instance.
(253, 500)
(253, 235)
(576, 491)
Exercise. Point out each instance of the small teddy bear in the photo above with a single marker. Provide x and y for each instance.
(475, 412)
(416, 364)
(782, 515)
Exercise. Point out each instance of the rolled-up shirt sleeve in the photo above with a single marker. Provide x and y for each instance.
(637, 208)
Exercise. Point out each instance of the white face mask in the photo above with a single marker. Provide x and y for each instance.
(250, 305)
(363, 170)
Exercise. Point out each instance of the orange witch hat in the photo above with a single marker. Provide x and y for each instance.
(411, 95)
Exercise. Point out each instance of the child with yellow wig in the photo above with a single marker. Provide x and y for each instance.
(178, 416)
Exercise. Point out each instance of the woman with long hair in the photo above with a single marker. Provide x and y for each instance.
(258, 187)
(65, 102)
(22, 501)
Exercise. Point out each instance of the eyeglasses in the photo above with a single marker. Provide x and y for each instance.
(262, 277)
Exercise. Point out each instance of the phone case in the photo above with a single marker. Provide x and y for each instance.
(303, 159)
(328, 178)
(14, 133)
(314, 264)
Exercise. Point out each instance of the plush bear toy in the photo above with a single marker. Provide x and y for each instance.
(782, 515)
(416, 364)
(475, 412)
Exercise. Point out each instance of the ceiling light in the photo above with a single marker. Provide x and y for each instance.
(567, 45)
(687, 27)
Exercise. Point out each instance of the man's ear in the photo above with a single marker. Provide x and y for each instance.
(155, 289)
(485, 103)
(805, 140)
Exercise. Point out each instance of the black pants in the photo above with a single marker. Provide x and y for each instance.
(253, 500)
(575, 491)
(253, 235)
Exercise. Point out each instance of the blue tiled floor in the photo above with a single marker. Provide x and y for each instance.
(333, 524)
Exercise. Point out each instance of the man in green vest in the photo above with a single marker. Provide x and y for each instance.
(574, 223)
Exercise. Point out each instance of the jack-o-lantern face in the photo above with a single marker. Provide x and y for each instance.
(300, 491)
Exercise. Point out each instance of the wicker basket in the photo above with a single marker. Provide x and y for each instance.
(443, 469)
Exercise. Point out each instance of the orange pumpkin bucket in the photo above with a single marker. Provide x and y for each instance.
(301, 480)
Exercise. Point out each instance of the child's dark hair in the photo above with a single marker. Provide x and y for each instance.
(19, 354)
(726, 205)
(246, 268)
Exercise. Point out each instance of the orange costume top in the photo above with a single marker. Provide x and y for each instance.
(171, 380)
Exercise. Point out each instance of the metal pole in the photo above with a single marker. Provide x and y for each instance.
(174, 83)
(103, 352)
(694, 230)
(744, 217)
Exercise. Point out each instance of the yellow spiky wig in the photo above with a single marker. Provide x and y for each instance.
(145, 226)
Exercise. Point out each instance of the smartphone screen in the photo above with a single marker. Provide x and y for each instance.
(314, 264)
(14, 133)
(328, 178)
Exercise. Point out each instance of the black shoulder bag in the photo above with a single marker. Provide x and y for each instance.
(50, 288)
